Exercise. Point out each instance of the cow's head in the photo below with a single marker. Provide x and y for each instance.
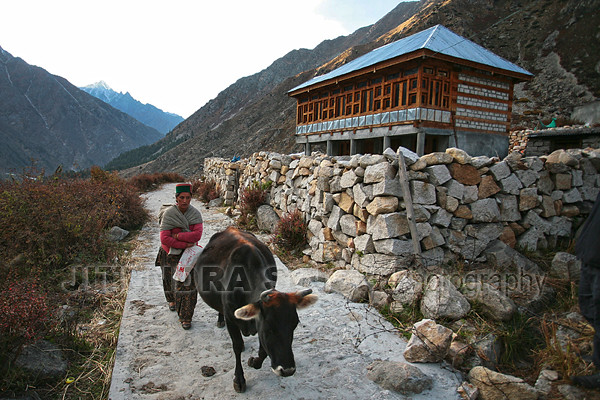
(276, 318)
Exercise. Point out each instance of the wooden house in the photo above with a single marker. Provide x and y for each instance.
(426, 92)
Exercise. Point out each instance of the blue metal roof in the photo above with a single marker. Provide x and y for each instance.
(437, 38)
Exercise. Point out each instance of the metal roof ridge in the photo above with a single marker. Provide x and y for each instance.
(433, 32)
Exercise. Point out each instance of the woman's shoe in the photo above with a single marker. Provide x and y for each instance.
(186, 325)
(172, 306)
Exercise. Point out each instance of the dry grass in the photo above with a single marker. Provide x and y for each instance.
(90, 375)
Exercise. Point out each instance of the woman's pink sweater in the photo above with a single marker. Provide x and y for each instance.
(167, 240)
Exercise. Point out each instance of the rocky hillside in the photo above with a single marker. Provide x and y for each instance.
(45, 118)
(554, 39)
(147, 114)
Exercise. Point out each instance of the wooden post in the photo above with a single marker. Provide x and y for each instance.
(410, 215)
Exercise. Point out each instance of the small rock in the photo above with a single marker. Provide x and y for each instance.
(117, 234)
(442, 300)
(400, 377)
(429, 342)
(266, 218)
(379, 299)
(566, 266)
(350, 283)
(570, 392)
(44, 359)
(495, 386)
(468, 391)
(207, 371)
(543, 384)
(218, 202)
(305, 276)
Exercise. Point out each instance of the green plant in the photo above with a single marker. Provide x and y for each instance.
(290, 232)
(403, 319)
(520, 337)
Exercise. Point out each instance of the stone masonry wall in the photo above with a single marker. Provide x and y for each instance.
(357, 216)
(526, 142)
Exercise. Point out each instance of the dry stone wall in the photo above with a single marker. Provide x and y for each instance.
(531, 142)
(357, 212)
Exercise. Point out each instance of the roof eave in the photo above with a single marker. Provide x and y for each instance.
(408, 57)
(372, 68)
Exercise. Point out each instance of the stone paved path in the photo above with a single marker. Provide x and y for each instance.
(157, 359)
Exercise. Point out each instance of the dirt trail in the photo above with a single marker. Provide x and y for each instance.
(157, 359)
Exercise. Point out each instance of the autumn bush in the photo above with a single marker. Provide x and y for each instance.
(205, 189)
(290, 233)
(148, 182)
(252, 197)
(51, 223)
(24, 313)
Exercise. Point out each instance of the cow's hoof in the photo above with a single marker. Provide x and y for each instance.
(239, 387)
(254, 362)
(220, 324)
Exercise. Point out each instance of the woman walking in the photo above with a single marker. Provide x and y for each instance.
(180, 228)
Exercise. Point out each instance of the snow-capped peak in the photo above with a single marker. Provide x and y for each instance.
(99, 85)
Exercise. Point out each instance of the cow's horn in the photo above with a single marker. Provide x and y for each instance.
(304, 292)
(263, 295)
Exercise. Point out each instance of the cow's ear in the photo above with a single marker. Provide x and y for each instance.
(248, 312)
(307, 301)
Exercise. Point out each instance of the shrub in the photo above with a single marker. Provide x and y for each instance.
(23, 316)
(205, 189)
(64, 220)
(148, 182)
(290, 232)
(252, 197)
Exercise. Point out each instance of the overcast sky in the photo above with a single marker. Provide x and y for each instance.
(178, 54)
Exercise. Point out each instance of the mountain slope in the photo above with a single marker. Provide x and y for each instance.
(147, 114)
(45, 118)
(547, 37)
(268, 88)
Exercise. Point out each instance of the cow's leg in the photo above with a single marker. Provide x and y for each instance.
(239, 382)
(221, 321)
(256, 362)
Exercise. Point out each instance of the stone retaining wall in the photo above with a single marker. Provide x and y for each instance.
(356, 210)
(532, 142)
